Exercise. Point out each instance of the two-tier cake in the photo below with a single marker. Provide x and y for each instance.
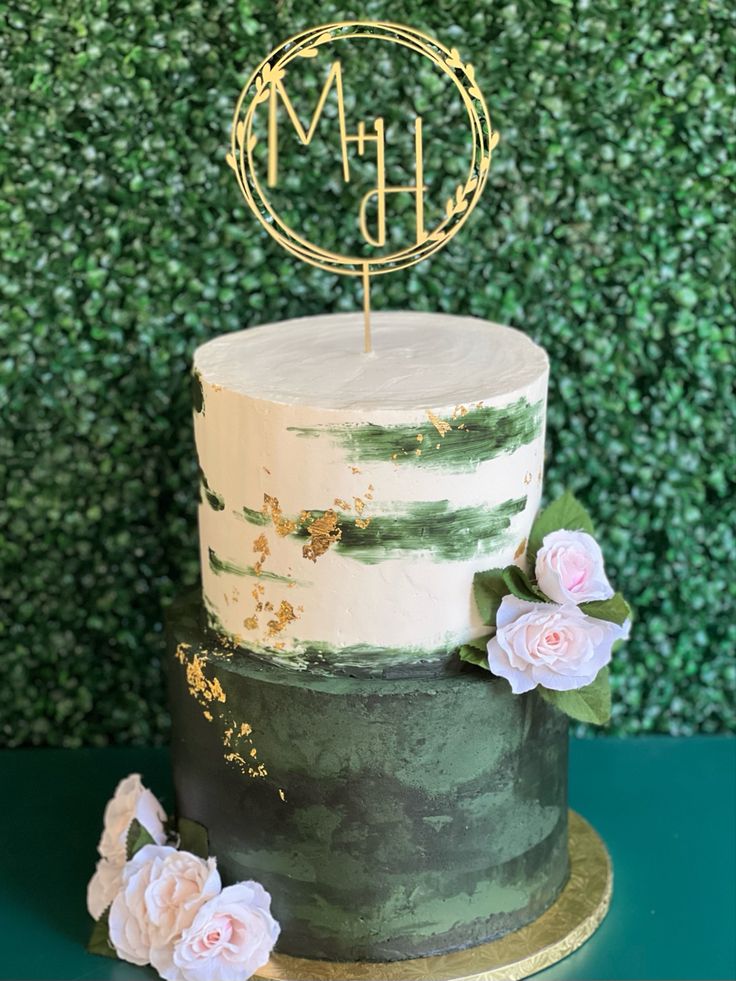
(394, 801)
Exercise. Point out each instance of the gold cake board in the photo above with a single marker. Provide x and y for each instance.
(566, 925)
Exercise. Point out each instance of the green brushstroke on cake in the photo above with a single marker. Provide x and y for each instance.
(197, 392)
(218, 566)
(481, 434)
(433, 527)
(363, 660)
(253, 517)
(215, 500)
(213, 621)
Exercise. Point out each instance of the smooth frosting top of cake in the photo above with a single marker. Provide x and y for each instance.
(419, 360)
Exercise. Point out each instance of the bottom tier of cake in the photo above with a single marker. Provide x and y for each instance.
(387, 818)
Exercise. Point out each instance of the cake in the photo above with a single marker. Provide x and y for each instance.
(370, 688)
(395, 801)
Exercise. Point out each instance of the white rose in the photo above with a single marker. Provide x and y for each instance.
(569, 568)
(558, 647)
(103, 887)
(162, 890)
(232, 936)
(130, 800)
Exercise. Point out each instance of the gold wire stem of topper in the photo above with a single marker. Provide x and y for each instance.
(367, 341)
(267, 84)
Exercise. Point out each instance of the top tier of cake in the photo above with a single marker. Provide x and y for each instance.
(348, 499)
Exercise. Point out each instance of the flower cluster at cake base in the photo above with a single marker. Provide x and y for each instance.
(555, 617)
(157, 898)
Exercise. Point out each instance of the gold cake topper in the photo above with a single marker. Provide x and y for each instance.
(267, 88)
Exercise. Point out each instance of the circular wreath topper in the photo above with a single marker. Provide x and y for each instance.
(266, 83)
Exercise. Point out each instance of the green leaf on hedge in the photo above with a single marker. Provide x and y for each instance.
(193, 837)
(137, 837)
(615, 609)
(589, 704)
(99, 939)
(489, 588)
(476, 652)
(520, 585)
(566, 512)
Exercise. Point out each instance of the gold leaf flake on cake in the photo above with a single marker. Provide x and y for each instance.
(251, 623)
(237, 738)
(420, 437)
(323, 533)
(245, 767)
(181, 652)
(282, 795)
(284, 526)
(362, 522)
(440, 425)
(284, 616)
(528, 478)
(343, 505)
(521, 548)
(201, 688)
(261, 545)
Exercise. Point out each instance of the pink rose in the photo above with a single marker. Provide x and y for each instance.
(558, 647)
(232, 936)
(130, 800)
(103, 887)
(162, 890)
(569, 568)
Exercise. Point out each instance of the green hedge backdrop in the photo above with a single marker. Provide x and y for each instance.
(606, 233)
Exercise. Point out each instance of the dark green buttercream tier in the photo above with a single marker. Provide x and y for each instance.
(388, 819)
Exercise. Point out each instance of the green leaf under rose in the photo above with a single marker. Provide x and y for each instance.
(589, 704)
(99, 939)
(475, 652)
(136, 838)
(615, 609)
(193, 837)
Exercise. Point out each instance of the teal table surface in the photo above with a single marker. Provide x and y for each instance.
(666, 808)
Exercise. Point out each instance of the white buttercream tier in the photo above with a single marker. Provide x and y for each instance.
(348, 499)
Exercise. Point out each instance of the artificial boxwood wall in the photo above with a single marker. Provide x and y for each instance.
(606, 233)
